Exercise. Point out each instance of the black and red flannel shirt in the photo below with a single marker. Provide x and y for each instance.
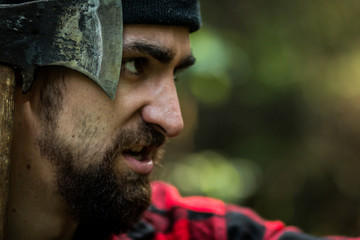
(174, 217)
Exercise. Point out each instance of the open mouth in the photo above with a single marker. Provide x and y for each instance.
(140, 153)
(139, 158)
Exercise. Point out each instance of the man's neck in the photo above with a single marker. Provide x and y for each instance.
(35, 210)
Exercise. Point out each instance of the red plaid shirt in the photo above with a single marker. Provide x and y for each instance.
(174, 217)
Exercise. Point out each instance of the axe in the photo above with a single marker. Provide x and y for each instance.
(83, 35)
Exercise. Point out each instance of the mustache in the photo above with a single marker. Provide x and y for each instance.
(142, 134)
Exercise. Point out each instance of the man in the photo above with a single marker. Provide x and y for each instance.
(81, 161)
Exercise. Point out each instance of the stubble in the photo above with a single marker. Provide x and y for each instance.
(103, 198)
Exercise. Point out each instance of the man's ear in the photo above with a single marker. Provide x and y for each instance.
(19, 96)
(29, 100)
(25, 103)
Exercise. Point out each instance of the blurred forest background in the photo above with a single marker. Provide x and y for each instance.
(272, 112)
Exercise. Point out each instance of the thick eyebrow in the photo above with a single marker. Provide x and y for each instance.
(161, 53)
(186, 62)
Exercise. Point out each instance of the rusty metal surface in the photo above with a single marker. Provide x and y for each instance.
(7, 85)
(83, 35)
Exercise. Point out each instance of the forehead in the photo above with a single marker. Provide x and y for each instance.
(173, 37)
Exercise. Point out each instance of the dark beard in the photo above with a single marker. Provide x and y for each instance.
(103, 200)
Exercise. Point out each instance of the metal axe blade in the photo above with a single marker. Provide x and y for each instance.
(82, 35)
(85, 36)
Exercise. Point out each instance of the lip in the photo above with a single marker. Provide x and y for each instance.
(144, 166)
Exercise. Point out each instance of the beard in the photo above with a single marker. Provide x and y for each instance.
(104, 197)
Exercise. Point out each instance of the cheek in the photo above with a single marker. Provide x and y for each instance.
(131, 97)
(84, 129)
(85, 138)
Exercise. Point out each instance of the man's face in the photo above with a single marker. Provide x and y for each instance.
(103, 150)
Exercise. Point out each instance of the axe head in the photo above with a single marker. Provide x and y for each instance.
(83, 35)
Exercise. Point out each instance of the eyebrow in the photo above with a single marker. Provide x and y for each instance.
(161, 53)
(186, 62)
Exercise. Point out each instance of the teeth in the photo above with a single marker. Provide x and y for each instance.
(136, 149)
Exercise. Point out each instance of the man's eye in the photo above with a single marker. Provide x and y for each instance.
(134, 66)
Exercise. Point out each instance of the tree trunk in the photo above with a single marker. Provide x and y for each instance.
(7, 86)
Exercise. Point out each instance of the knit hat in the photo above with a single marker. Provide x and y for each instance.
(163, 12)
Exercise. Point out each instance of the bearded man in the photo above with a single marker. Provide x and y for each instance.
(84, 146)
(80, 160)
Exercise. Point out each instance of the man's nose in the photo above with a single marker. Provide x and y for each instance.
(163, 110)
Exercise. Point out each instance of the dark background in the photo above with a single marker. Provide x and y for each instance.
(272, 112)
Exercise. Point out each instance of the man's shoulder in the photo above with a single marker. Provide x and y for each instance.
(166, 197)
(172, 216)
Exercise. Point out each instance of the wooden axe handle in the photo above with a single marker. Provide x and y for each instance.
(7, 87)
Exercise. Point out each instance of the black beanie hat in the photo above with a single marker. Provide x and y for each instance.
(163, 12)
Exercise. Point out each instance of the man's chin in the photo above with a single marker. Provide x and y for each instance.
(105, 203)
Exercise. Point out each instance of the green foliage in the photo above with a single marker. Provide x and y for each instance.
(211, 89)
(276, 89)
(211, 174)
(210, 82)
